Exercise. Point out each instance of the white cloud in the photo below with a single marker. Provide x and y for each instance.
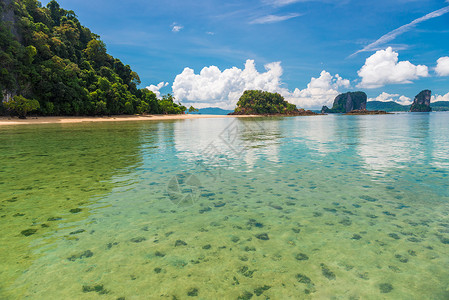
(385, 97)
(212, 87)
(274, 18)
(383, 67)
(320, 91)
(437, 97)
(155, 88)
(176, 27)
(442, 68)
(398, 31)
(216, 88)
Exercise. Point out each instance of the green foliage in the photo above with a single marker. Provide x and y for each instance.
(261, 102)
(49, 56)
(21, 106)
(193, 109)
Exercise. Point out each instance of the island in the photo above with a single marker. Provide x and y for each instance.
(351, 103)
(255, 102)
(421, 103)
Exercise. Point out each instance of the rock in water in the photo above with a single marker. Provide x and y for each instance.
(347, 102)
(422, 102)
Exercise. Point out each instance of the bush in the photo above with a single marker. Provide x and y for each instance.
(21, 106)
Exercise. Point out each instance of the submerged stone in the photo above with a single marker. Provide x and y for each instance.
(193, 292)
(159, 254)
(385, 287)
(75, 210)
(207, 247)
(301, 256)
(180, 243)
(262, 236)
(54, 219)
(259, 291)
(327, 273)
(245, 296)
(28, 232)
(138, 239)
(394, 236)
(303, 278)
(85, 254)
(356, 237)
(95, 288)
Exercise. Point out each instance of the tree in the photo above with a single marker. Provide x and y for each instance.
(21, 106)
(193, 109)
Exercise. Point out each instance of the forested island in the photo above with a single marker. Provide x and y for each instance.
(254, 102)
(52, 65)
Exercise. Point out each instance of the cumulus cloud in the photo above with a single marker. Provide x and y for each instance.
(384, 67)
(385, 97)
(398, 31)
(274, 18)
(436, 98)
(155, 88)
(442, 68)
(320, 91)
(213, 87)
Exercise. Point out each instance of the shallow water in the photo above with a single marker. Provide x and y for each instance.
(343, 207)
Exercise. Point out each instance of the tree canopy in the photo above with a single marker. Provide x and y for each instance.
(47, 55)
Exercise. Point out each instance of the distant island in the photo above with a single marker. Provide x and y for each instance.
(254, 102)
(422, 102)
(351, 103)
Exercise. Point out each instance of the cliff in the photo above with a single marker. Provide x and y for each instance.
(422, 102)
(347, 102)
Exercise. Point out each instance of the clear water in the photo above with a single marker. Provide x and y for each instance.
(344, 207)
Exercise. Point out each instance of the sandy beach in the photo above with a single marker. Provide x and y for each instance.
(119, 118)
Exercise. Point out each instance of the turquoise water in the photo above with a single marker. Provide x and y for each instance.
(326, 207)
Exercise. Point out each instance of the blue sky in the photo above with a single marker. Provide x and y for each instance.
(297, 39)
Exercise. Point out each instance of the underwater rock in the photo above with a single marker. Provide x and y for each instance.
(401, 258)
(368, 198)
(54, 219)
(77, 231)
(85, 254)
(219, 204)
(95, 288)
(235, 239)
(203, 210)
(346, 222)
(138, 239)
(247, 249)
(356, 237)
(394, 236)
(262, 236)
(327, 273)
(253, 222)
(245, 296)
(159, 254)
(157, 270)
(259, 291)
(28, 232)
(296, 230)
(207, 247)
(301, 256)
(385, 288)
(180, 243)
(245, 271)
(303, 278)
(75, 210)
(193, 292)
(276, 207)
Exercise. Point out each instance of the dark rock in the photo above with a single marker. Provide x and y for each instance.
(303, 278)
(85, 254)
(95, 288)
(159, 254)
(180, 243)
(28, 232)
(219, 204)
(75, 210)
(385, 288)
(245, 271)
(193, 292)
(77, 231)
(207, 247)
(138, 239)
(356, 237)
(422, 102)
(245, 296)
(157, 270)
(54, 219)
(301, 256)
(347, 102)
(394, 236)
(259, 291)
(327, 273)
(262, 236)
(401, 258)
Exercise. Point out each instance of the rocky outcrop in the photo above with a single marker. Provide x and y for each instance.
(422, 102)
(347, 102)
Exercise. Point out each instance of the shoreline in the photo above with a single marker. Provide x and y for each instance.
(117, 118)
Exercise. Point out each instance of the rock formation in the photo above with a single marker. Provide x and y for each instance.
(347, 102)
(422, 102)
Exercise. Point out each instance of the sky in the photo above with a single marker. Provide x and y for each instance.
(207, 52)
